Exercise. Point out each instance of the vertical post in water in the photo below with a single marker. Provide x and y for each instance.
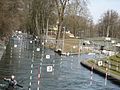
(38, 88)
(91, 75)
(106, 75)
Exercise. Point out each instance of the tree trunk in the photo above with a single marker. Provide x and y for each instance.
(108, 31)
(37, 28)
(47, 28)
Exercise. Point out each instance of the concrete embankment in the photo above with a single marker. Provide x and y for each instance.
(112, 77)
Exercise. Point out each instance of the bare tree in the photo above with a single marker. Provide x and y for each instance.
(73, 8)
(61, 6)
(39, 14)
(12, 16)
(108, 23)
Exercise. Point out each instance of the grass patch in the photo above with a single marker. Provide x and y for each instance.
(113, 61)
(70, 45)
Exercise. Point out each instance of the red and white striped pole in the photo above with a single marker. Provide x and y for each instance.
(38, 88)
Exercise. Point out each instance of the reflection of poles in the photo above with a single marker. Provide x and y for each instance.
(63, 39)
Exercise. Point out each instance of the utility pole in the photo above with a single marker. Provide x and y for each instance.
(47, 30)
(108, 30)
(63, 39)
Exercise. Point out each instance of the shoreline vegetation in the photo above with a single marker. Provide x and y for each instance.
(110, 67)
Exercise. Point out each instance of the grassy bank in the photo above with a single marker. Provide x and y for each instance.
(110, 65)
(70, 45)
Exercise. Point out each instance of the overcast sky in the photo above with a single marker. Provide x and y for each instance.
(98, 7)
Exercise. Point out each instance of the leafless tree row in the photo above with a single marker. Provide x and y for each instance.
(46, 13)
(109, 25)
(12, 16)
(38, 16)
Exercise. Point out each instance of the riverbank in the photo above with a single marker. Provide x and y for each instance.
(68, 46)
(109, 68)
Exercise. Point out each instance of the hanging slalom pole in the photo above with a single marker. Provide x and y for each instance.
(106, 76)
(39, 72)
(91, 75)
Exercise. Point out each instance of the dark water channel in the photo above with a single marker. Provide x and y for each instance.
(30, 68)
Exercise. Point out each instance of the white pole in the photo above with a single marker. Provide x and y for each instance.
(63, 40)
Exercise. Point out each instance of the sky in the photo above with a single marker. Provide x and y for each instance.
(98, 7)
